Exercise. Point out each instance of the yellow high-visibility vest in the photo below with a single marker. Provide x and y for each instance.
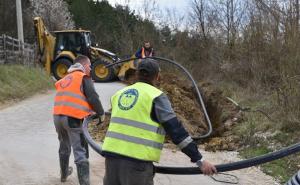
(131, 131)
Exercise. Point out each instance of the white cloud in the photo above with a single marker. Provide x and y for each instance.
(170, 12)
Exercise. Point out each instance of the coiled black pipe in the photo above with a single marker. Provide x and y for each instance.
(195, 170)
(88, 137)
(295, 180)
(200, 99)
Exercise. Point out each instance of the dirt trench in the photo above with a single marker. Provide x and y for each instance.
(223, 114)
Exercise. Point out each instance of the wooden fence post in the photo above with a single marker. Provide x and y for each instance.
(34, 55)
(4, 48)
(19, 52)
(1, 46)
(16, 50)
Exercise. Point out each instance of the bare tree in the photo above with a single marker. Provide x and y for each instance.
(55, 13)
(198, 14)
(174, 20)
(150, 10)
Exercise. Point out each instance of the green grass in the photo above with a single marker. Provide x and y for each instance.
(254, 151)
(19, 82)
(281, 131)
(281, 169)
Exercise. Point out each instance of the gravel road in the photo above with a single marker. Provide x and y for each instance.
(29, 149)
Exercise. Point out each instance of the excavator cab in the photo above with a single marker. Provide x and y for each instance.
(75, 41)
(68, 45)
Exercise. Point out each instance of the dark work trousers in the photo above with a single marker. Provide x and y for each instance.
(119, 171)
(70, 135)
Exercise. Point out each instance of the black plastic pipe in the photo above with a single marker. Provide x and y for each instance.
(195, 170)
(200, 99)
(88, 137)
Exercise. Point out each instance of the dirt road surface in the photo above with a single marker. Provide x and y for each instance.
(29, 149)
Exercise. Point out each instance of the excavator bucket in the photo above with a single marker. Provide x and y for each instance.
(128, 69)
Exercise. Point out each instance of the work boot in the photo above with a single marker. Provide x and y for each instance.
(65, 170)
(83, 171)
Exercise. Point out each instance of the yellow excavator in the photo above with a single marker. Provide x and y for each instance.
(58, 52)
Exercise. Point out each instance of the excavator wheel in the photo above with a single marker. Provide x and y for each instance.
(102, 74)
(60, 68)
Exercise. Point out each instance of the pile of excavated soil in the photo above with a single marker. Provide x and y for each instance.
(181, 93)
(184, 103)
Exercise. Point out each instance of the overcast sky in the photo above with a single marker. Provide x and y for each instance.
(181, 7)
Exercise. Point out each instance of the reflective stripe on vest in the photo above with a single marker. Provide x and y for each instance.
(145, 126)
(69, 99)
(131, 131)
(73, 105)
(72, 95)
(143, 53)
(133, 139)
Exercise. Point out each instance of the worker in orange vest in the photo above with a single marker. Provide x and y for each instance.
(145, 51)
(75, 99)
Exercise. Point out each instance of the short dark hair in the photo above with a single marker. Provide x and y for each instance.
(147, 70)
(81, 59)
(146, 41)
(144, 77)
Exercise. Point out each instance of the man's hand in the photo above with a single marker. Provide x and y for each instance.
(101, 119)
(207, 168)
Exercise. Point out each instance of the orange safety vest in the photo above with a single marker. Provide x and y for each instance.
(143, 53)
(69, 99)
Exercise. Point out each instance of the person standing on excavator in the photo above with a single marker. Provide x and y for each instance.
(141, 116)
(145, 51)
(75, 99)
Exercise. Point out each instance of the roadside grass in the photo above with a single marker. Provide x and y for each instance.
(281, 169)
(18, 82)
(260, 135)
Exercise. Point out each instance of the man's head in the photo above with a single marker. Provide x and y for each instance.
(147, 45)
(148, 71)
(85, 62)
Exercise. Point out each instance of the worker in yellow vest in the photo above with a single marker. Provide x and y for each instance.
(75, 99)
(145, 51)
(141, 117)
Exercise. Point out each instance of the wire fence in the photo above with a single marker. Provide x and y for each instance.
(13, 51)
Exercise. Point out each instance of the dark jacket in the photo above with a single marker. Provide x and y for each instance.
(88, 90)
(91, 95)
(138, 54)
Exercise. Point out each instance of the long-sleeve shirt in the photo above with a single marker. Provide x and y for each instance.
(89, 91)
(163, 113)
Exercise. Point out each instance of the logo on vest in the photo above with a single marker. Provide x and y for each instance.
(66, 82)
(128, 99)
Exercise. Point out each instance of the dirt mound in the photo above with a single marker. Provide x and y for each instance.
(182, 96)
(98, 131)
(184, 103)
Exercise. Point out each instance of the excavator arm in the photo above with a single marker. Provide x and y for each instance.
(46, 43)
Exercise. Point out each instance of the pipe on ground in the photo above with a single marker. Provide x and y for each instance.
(177, 170)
